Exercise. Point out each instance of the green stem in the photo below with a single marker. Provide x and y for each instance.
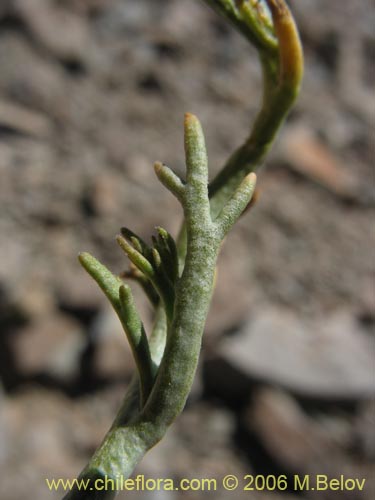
(121, 299)
(137, 338)
(282, 76)
(134, 432)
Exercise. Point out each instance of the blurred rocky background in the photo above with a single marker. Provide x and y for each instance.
(92, 92)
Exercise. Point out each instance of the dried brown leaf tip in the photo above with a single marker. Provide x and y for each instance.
(278, 7)
(290, 49)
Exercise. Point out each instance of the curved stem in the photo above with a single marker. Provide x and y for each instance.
(282, 76)
(134, 432)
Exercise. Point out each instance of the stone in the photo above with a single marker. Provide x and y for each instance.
(291, 437)
(113, 357)
(47, 23)
(50, 345)
(329, 358)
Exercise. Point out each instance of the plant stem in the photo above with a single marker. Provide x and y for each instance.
(209, 213)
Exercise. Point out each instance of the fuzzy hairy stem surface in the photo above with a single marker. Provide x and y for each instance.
(134, 433)
(210, 211)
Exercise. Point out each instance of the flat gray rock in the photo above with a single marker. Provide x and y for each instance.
(331, 357)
